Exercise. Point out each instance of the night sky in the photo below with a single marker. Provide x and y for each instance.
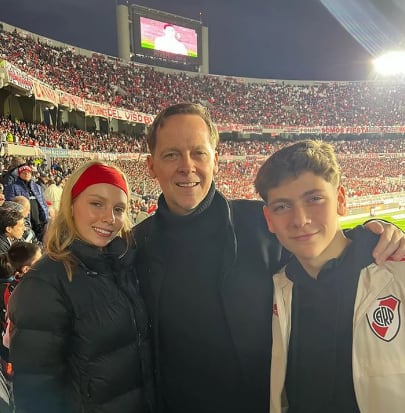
(276, 39)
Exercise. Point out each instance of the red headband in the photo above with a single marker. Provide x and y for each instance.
(99, 174)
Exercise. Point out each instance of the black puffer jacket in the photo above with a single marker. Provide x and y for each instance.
(81, 346)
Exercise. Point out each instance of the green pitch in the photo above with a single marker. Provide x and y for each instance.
(397, 218)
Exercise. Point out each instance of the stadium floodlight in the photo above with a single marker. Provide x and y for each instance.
(391, 63)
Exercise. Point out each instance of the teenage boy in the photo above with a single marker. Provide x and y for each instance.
(338, 345)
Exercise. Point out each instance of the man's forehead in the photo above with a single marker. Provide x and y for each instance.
(181, 118)
(183, 135)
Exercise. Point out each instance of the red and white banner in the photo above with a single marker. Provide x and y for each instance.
(97, 109)
(45, 93)
(16, 77)
(316, 130)
(71, 101)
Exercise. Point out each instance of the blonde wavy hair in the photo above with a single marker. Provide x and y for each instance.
(62, 230)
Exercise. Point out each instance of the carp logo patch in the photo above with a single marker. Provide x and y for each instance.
(384, 319)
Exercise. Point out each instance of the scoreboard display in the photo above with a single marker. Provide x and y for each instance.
(165, 36)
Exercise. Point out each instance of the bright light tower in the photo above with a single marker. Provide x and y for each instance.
(391, 64)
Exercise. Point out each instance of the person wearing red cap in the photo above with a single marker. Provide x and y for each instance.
(79, 331)
(25, 186)
(11, 175)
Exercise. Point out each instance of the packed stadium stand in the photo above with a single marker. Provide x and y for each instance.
(372, 163)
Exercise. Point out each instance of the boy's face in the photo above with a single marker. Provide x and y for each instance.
(303, 213)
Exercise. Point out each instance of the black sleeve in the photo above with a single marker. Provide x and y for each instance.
(40, 323)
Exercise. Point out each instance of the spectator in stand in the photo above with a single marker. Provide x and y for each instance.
(25, 186)
(29, 234)
(53, 194)
(79, 332)
(22, 256)
(11, 225)
(12, 173)
(14, 264)
(42, 180)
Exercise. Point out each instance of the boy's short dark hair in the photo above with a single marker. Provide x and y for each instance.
(10, 214)
(21, 253)
(305, 156)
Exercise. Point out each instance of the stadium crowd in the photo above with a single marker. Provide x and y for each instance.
(231, 100)
(41, 135)
(360, 145)
(362, 175)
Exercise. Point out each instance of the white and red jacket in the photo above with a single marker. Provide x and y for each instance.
(378, 339)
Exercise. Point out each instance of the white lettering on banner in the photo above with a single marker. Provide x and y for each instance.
(18, 78)
(307, 130)
(252, 129)
(96, 109)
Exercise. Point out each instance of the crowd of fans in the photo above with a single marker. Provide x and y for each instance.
(360, 145)
(231, 100)
(41, 135)
(367, 167)
(362, 173)
(360, 176)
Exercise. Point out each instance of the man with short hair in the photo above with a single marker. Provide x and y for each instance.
(205, 265)
(25, 186)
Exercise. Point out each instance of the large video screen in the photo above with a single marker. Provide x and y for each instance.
(169, 37)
